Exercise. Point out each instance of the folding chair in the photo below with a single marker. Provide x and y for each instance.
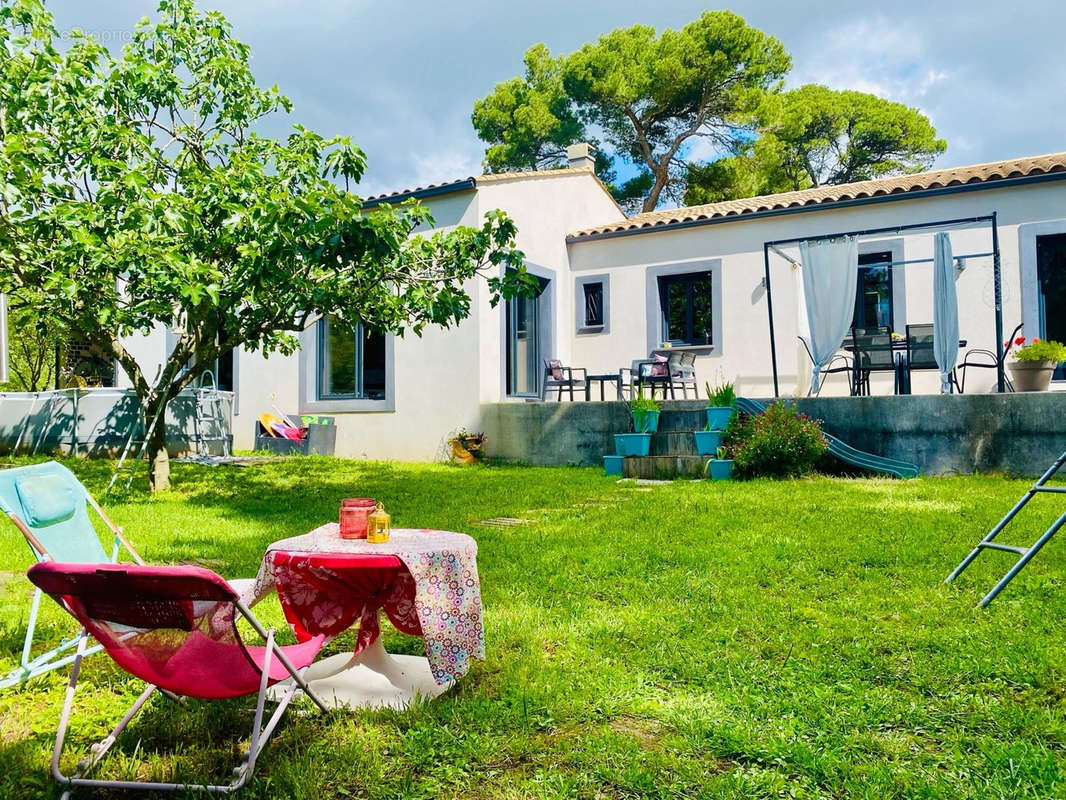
(48, 505)
(176, 629)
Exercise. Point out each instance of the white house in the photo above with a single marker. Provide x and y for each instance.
(606, 280)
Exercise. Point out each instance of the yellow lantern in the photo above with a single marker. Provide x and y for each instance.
(377, 525)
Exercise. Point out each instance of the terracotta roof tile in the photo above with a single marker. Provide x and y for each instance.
(900, 184)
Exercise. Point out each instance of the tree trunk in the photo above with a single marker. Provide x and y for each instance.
(661, 179)
(158, 458)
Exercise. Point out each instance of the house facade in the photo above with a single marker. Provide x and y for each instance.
(613, 288)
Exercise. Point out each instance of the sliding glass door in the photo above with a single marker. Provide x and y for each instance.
(1051, 272)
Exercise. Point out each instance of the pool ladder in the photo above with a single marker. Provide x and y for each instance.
(1025, 553)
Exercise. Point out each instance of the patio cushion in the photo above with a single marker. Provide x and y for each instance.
(46, 499)
(658, 369)
(556, 368)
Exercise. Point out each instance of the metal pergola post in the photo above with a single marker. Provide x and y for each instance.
(770, 313)
(941, 224)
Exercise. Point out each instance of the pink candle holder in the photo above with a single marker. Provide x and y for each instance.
(354, 511)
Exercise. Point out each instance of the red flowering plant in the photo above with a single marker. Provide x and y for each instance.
(1039, 350)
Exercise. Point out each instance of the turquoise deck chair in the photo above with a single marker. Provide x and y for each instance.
(50, 507)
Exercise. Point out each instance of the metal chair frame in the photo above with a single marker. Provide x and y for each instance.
(569, 382)
(260, 733)
(31, 667)
(845, 366)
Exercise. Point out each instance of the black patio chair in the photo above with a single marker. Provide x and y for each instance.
(920, 354)
(837, 364)
(647, 372)
(982, 358)
(873, 353)
(558, 377)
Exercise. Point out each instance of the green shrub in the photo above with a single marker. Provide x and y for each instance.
(641, 403)
(780, 443)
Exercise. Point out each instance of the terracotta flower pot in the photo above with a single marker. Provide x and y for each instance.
(1031, 376)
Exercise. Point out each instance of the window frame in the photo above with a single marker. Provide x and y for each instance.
(581, 324)
(358, 365)
(654, 311)
(667, 284)
(880, 255)
(309, 359)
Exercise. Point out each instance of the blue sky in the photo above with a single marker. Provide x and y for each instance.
(401, 77)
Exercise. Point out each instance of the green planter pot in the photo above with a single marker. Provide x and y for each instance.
(720, 469)
(632, 444)
(708, 442)
(718, 417)
(645, 421)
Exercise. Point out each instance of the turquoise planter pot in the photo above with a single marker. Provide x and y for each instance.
(632, 444)
(612, 465)
(718, 417)
(645, 421)
(708, 442)
(720, 469)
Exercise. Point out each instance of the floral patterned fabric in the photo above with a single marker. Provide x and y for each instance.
(425, 581)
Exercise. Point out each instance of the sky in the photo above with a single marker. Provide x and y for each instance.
(401, 77)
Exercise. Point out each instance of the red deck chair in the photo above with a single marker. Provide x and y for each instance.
(175, 628)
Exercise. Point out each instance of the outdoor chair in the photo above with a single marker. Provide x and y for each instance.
(920, 355)
(176, 629)
(839, 363)
(873, 353)
(558, 377)
(981, 358)
(651, 372)
(682, 368)
(49, 506)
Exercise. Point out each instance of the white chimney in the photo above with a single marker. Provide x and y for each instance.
(581, 156)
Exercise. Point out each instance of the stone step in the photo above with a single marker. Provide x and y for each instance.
(653, 467)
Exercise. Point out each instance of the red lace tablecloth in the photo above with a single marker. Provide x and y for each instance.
(425, 581)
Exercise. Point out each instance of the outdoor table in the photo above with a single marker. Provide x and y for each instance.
(425, 581)
(901, 377)
(614, 377)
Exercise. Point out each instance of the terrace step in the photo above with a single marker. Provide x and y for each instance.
(673, 443)
(653, 467)
(686, 420)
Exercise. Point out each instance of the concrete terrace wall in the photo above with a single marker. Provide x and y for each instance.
(1015, 433)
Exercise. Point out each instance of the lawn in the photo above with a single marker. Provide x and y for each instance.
(703, 640)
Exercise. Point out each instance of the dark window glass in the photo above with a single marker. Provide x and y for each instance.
(593, 305)
(873, 300)
(1051, 273)
(351, 362)
(224, 371)
(687, 308)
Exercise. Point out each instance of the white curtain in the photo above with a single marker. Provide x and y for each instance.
(830, 273)
(945, 311)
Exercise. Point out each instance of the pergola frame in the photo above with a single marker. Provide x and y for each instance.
(990, 219)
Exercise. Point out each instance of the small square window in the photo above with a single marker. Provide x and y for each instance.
(593, 305)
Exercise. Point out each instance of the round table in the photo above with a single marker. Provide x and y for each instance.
(426, 583)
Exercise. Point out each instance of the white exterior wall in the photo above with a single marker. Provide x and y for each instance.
(742, 352)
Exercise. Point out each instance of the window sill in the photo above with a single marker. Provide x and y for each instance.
(592, 329)
(340, 406)
(688, 348)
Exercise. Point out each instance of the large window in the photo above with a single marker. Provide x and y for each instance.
(1051, 274)
(351, 363)
(685, 301)
(873, 298)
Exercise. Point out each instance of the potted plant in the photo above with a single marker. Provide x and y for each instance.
(708, 441)
(1034, 364)
(645, 413)
(720, 468)
(467, 447)
(720, 400)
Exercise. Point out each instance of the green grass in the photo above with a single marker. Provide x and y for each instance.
(763, 639)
